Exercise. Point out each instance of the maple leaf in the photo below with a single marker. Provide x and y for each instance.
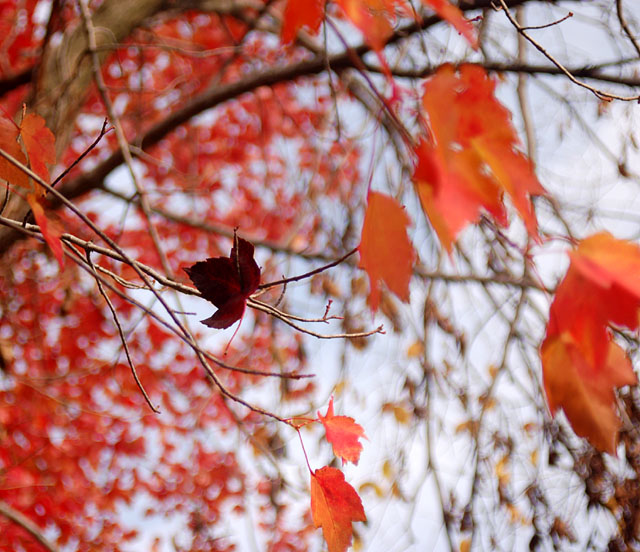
(227, 282)
(581, 363)
(470, 159)
(334, 506)
(39, 144)
(298, 14)
(585, 394)
(343, 434)
(9, 133)
(385, 249)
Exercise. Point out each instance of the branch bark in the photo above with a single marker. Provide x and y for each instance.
(23, 521)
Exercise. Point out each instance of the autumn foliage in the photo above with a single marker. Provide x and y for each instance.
(156, 164)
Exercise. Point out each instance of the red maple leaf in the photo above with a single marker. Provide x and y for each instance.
(227, 282)
(343, 434)
(334, 506)
(385, 249)
(581, 363)
(9, 133)
(39, 143)
(471, 157)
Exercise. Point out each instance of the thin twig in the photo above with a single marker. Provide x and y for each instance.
(308, 274)
(79, 259)
(286, 319)
(116, 321)
(603, 95)
(86, 152)
(625, 26)
(325, 319)
(546, 25)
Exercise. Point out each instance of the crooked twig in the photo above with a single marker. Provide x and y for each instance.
(308, 274)
(264, 307)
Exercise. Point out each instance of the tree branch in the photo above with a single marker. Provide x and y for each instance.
(218, 95)
(23, 521)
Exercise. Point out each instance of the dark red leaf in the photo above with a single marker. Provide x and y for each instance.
(227, 282)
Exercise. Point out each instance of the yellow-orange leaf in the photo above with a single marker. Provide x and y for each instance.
(581, 364)
(334, 506)
(471, 157)
(585, 392)
(385, 250)
(343, 433)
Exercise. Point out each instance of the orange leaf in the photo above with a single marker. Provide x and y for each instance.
(581, 364)
(452, 15)
(50, 234)
(301, 13)
(343, 434)
(385, 250)
(470, 133)
(584, 393)
(39, 143)
(334, 505)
